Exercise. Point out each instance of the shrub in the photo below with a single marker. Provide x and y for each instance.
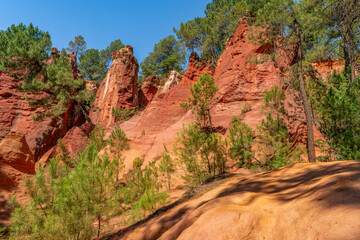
(66, 202)
(274, 142)
(167, 166)
(123, 114)
(202, 100)
(202, 154)
(246, 108)
(241, 139)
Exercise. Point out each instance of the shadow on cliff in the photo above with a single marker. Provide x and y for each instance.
(283, 186)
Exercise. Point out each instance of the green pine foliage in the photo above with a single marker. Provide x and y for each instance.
(76, 201)
(202, 99)
(167, 55)
(240, 141)
(142, 190)
(273, 136)
(337, 105)
(94, 63)
(118, 142)
(167, 166)
(202, 154)
(66, 202)
(23, 51)
(276, 149)
(61, 88)
(246, 108)
(209, 34)
(123, 114)
(97, 137)
(78, 46)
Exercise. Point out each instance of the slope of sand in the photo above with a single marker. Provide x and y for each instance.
(302, 201)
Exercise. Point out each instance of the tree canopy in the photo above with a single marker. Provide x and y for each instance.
(167, 55)
(23, 54)
(78, 46)
(94, 64)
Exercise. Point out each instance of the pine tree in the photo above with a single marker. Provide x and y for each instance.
(167, 166)
(167, 55)
(118, 142)
(344, 22)
(203, 154)
(291, 20)
(241, 139)
(92, 65)
(23, 53)
(78, 46)
(202, 100)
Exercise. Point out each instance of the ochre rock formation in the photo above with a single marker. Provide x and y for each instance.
(159, 122)
(149, 88)
(16, 159)
(74, 142)
(173, 80)
(240, 80)
(326, 67)
(16, 115)
(244, 71)
(154, 86)
(119, 89)
(22, 140)
(196, 68)
(301, 201)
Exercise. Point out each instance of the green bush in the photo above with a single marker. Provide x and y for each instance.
(123, 114)
(66, 202)
(202, 100)
(203, 154)
(142, 190)
(337, 106)
(240, 140)
(275, 147)
(246, 108)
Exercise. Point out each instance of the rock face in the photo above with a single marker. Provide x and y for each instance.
(119, 88)
(154, 86)
(159, 122)
(173, 80)
(302, 201)
(327, 67)
(16, 159)
(196, 68)
(74, 142)
(244, 71)
(16, 115)
(150, 88)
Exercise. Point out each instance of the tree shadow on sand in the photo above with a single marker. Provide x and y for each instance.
(284, 184)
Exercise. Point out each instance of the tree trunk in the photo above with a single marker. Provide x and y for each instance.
(346, 54)
(84, 113)
(308, 115)
(352, 57)
(99, 226)
(210, 120)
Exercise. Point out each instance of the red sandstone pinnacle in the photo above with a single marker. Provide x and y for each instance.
(119, 88)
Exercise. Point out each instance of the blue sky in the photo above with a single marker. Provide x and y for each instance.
(140, 23)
